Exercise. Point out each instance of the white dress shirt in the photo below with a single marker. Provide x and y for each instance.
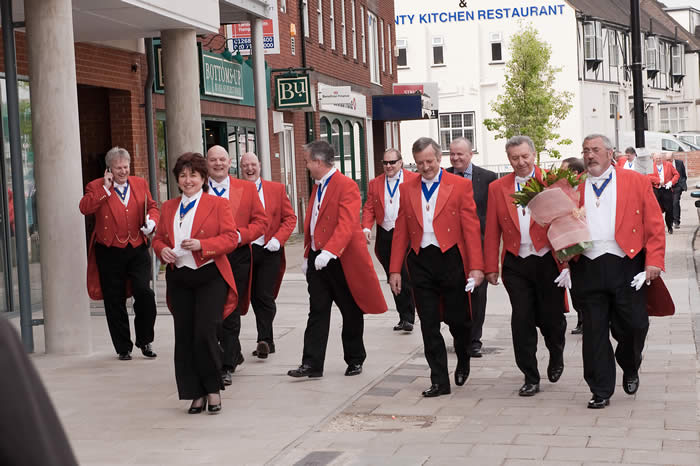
(183, 230)
(225, 185)
(258, 185)
(317, 204)
(121, 188)
(629, 165)
(391, 205)
(600, 217)
(526, 246)
(428, 213)
(661, 173)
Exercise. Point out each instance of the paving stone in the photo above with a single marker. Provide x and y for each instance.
(584, 454)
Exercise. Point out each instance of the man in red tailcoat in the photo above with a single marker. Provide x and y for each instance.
(337, 265)
(125, 214)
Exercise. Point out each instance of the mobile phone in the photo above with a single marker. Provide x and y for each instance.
(109, 170)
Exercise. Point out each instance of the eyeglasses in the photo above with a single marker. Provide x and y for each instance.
(389, 162)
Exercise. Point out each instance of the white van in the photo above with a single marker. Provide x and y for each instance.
(654, 142)
(693, 137)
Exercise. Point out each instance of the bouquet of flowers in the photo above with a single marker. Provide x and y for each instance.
(554, 202)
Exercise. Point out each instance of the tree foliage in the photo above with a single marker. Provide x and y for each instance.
(529, 104)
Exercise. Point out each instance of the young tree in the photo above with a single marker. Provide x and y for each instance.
(529, 104)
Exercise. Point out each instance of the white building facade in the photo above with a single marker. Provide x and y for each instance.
(464, 50)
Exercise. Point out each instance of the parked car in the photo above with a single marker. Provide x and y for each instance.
(655, 142)
(693, 137)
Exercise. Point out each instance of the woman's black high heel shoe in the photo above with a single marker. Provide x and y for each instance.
(215, 408)
(198, 409)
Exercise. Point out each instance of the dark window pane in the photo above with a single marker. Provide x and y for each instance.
(496, 51)
(402, 61)
(437, 55)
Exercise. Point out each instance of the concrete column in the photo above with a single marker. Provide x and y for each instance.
(58, 171)
(183, 111)
(262, 134)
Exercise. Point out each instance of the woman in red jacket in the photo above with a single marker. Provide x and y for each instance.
(196, 232)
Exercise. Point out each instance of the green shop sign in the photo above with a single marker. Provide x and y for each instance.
(292, 92)
(220, 77)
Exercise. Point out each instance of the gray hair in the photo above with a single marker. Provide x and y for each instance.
(464, 140)
(423, 143)
(115, 153)
(518, 140)
(606, 140)
(321, 150)
(630, 150)
(391, 150)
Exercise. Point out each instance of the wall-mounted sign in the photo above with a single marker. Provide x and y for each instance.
(337, 95)
(241, 35)
(220, 77)
(428, 93)
(292, 92)
(357, 106)
(489, 14)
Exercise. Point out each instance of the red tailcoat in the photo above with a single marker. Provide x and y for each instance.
(214, 227)
(670, 174)
(249, 215)
(455, 222)
(338, 232)
(373, 210)
(281, 220)
(115, 225)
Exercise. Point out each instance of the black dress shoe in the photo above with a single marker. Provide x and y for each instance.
(407, 326)
(197, 409)
(226, 377)
(305, 371)
(262, 350)
(670, 230)
(676, 225)
(147, 350)
(270, 345)
(630, 383)
(398, 327)
(239, 360)
(353, 369)
(554, 370)
(462, 372)
(475, 352)
(214, 408)
(436, 390)
(125, 356)
(529, 389)
(598, 402)
(578, 330)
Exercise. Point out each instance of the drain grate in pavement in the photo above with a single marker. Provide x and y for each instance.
(318, 458)
(377, 423)
(383, 391)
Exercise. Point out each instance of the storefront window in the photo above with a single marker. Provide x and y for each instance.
(162, 160)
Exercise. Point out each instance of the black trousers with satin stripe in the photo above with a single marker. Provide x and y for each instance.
(197, 298)
(404, 300)
(478, 314)
(610, 305)
(231, 329)
(116, 266)
(665, 198)
(677, 193)
(537, 302)
(438, 279)
(266, 267)
(327, 286)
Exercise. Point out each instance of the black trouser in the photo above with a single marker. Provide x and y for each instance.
(478, 314)
(197, 298)
(677, 192)
(327, 286)
(536, 302)
(116, 266)
(438, 287)
(266, 268)
(610, 305)
(240, 266)
(665, 198)
(404, 300)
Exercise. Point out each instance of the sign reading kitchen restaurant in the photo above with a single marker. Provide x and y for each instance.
(292, 92)
(220, 77)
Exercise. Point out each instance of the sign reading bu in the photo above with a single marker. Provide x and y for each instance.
(220, 77)
(292, 92)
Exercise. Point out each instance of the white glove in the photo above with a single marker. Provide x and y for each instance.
(323, 259)
(638, 281)
(305, 266)
(564, 279)
(148, 228)
(668, 185)
(273, 245)
(239, 237)
(471, 284)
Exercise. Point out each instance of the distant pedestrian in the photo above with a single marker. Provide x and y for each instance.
(678, 189)
(627, 161)
(667, 179)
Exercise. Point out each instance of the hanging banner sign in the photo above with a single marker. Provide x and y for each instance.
(220, 77)
(292, 92)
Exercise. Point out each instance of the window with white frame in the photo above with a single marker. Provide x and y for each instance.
(362, 22)
(673, 118)
(593, 40)
(402, 58)
(614, 98)
(305, 4)
(678, 60)
(283, 6)
(343, 37)
(319, 11)
(382, 50)
(496, 40)
(332, 23)
(663, 57)
(391, 50)
(455, 125)
(613, 54)
(373, 43)
(652, 53)
(354, 31)
(438, 50)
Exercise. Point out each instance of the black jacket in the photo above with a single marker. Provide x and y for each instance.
(680, 168)
(481, 178)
